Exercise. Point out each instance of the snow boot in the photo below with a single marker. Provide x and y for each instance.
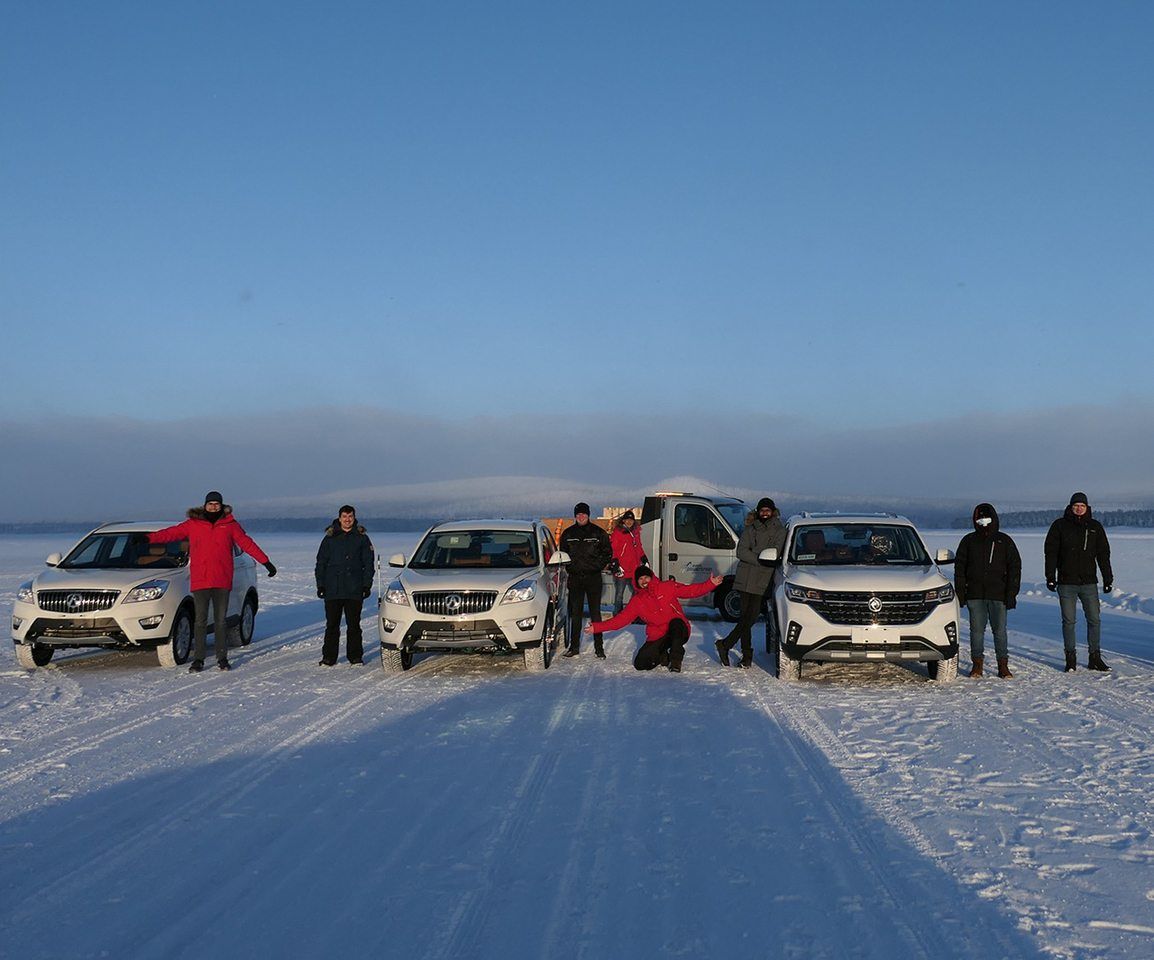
(327, 663)
(599, 649)
(746, 659)
(1095, 662)
(196, 666)
(1071, 662)
(976, 669)
(572, 652)
(675, 664)
(1004, 668)
(722, 653)
(224, 665)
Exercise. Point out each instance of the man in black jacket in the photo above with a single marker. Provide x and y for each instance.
(589, 553)
(1076, 548)
(987, 577)
(344, 574)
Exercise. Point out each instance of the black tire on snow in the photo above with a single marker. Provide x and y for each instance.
(33, 655)
(729, 603)
(176, 649)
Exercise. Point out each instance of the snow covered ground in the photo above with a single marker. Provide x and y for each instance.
(467, 809)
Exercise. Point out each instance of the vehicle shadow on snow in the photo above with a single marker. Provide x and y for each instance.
(565, 814)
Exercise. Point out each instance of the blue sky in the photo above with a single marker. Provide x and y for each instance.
(850, 214)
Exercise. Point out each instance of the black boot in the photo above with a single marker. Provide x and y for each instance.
(196, 666)
(722, 653)
(1071, 662)
(598, 649)
(571, 652)
(224, 664)
(1095, 662)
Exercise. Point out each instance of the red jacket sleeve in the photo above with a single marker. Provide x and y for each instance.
(623, 619)
(169, 534)
(695, 589)
(248, 545)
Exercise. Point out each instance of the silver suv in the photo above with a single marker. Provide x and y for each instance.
(856, 588)
(476, 586)
(116, 590)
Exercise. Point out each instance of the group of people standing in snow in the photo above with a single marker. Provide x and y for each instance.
(987, 579)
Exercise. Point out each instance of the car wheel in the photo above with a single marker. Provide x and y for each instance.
(537, 658)
(175, 650)
(943, 671)
(33, 655)
(787, 669)
(396, 661)
(247, 625)
(729, 604)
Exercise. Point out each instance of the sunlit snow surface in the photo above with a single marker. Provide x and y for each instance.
(467, 809)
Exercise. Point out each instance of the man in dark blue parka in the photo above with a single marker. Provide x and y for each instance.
(344, 574)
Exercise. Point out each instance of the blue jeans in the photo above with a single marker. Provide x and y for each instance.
(1068, 596)
(981, 613)
(620, 584)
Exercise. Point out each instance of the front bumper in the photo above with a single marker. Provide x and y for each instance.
(107, 628)
(808, 636)
(403, 628)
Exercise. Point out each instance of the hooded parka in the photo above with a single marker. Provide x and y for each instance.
(1074, 545)
(753, 576)
(210, 546)
(345, 565)
(988, 565)
(657, 605)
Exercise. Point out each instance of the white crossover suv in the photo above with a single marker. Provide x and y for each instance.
(860, 588)
(114, 589)
(476, 586)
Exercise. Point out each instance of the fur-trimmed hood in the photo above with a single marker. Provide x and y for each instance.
(335, 527)
(199, 513)
(751, 517)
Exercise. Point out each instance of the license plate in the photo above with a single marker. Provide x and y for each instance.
(873, 636)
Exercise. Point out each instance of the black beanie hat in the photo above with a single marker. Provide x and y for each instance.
(766, 502)
(581, 508)
(1079, 498)
(213, 496)
(641, 571)
(628, 515)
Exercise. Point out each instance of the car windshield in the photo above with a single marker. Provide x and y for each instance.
(842, 544)
(492, 549)
(734, 515)
(125, 551)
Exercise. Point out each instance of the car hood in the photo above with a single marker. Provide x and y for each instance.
(867, 578)
(465, 579)
(55, 578)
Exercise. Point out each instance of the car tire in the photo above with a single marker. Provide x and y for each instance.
(787, 669)
(729, 603)
(33, 655)
(537, 658)
(246, 625)
(396, 661)
(943, 671)
(176, 649)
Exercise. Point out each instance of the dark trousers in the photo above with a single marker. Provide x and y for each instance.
(200, 600)
(354, 646)
(671, 646)
(743, 629)
(583, 588)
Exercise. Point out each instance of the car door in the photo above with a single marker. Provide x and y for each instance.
(696, 541)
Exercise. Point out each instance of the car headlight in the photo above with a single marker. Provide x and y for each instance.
(803, 594)
(153, 590)
(941, 595)
(521, 591)
(396, 594)
(25, 594)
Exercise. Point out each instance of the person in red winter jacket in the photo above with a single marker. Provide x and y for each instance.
(655, 602)
(211, 531)
(628, 555)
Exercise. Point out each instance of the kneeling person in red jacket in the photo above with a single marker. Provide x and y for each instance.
(211, 532)
(666, 629)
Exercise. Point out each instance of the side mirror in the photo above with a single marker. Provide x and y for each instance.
(769, 555)
(53, 560)
(397, 560)
(945, 556)
(559, 557)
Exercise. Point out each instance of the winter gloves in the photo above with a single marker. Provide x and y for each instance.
(1107, 587)
(270, 568)
(1051, 585)
(321, 592)
(367, 591)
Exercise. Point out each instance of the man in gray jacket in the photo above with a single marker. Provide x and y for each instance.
(763, 529)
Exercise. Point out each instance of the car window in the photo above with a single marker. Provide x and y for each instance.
(499, 549)
(696, 523)
(844, 544)
(734, 515)
(125, 551)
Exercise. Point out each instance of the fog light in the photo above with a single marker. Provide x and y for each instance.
(793, 633)
(151, 623)
(528, 623)
(16, 621)
(388, 625)
(952, 632)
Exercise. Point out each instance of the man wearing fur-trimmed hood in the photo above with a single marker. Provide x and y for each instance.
(987, 577)
(344, 573)
(211, 532)
(763, 529)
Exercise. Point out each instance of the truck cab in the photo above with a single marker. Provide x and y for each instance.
(688, 537)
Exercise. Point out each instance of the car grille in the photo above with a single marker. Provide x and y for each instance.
(897, 609)
(453, 603)
(76, 601)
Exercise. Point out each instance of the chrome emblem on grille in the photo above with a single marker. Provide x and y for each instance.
(453, 603)
(74, 602)
(875, 605)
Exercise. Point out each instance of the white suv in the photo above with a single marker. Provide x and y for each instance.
(476, 585)
(862, 587)
(114, 589)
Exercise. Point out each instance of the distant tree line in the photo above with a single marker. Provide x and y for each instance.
(1043, 518)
